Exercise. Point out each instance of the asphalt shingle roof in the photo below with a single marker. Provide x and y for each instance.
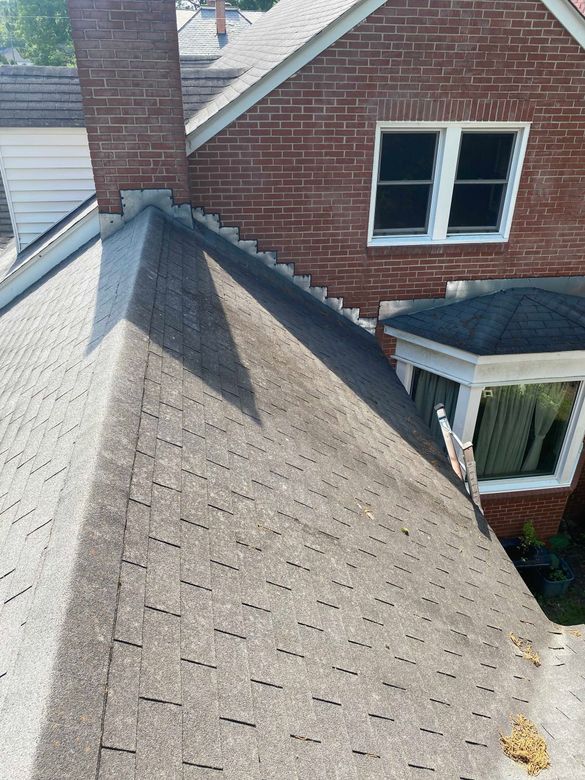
(51, 96)
(516, 321)
(222, 518)
(283, 30)
(199, 38)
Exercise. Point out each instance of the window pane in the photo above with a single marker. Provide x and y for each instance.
(407, 156)
(402, 208)
(485, 155)
(428, 390)
(521, 429)
(476, 207)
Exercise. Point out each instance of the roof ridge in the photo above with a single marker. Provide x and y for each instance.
(513, 313)
(568, 311)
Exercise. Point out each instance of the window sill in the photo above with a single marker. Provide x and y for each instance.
(476, 238)
(521, 485)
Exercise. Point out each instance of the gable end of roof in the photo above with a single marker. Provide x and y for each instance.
(201, 129)
(216, 116)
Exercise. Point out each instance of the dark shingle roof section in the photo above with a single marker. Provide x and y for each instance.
(201, 85)
(51, 96)
(40, 97)
(517, 321)
(304, 592)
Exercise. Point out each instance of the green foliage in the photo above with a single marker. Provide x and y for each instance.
(556, 572)
(567, 611)
(529, 541)
(39, 29)
(254, 5)
(559, 542)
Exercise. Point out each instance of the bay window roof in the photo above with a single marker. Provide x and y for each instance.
(516, 321)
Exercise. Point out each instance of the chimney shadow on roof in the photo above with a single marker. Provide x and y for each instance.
(145, 280)
(359, 363)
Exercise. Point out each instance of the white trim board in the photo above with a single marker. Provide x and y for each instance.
(57, 248)
(199, 134)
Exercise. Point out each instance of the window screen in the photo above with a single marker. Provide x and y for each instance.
(405, 183)
(481, 182)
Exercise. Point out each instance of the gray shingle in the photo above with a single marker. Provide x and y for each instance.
(274, 38)
(516, 321)
(198, 38)
(271, 620)
(46, 96)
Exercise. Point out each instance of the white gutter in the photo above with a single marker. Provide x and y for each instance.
(58, 246)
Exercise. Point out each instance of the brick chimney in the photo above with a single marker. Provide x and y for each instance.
(220, 17)
(128, 63)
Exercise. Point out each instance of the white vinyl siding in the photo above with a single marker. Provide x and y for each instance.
(47, 173)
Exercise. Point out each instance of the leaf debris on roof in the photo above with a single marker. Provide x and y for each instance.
(526, 746)
(526, 649)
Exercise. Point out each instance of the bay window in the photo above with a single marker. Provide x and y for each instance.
(526, 435)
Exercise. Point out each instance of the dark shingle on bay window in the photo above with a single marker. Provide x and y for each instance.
(516, 321)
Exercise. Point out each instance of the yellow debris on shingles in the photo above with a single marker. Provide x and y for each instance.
(526, 746)
(526, 649)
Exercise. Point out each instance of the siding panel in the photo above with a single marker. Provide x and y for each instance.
(47, 173)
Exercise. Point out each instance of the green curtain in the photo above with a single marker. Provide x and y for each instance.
(548, 402)
(504, 430)
(430, 390)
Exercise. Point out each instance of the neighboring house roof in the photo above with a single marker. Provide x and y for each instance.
(183, 16)
(220, 509)
(199, 38)
(51, 96)
(40, 96)
(287, 38)
(516, 321)
(252, 16)
(275, 41)
(13, 56)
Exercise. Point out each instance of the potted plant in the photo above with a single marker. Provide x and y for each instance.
(527, 551)
(557, 578)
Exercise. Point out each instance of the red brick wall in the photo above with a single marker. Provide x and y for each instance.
(128, 63)
(507, 513)
(295, 170)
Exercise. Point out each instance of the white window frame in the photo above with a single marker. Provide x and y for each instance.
(474, 373)
(447, 157)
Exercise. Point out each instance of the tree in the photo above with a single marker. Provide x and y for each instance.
(40, 30)
(254, 5)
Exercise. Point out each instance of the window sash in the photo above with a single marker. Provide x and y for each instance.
(446, 162)
(386, 183)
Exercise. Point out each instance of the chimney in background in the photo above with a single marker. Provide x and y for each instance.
(128, 65)
(220, 17)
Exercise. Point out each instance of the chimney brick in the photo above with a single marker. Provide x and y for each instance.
(220, 17)
(128, 64)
